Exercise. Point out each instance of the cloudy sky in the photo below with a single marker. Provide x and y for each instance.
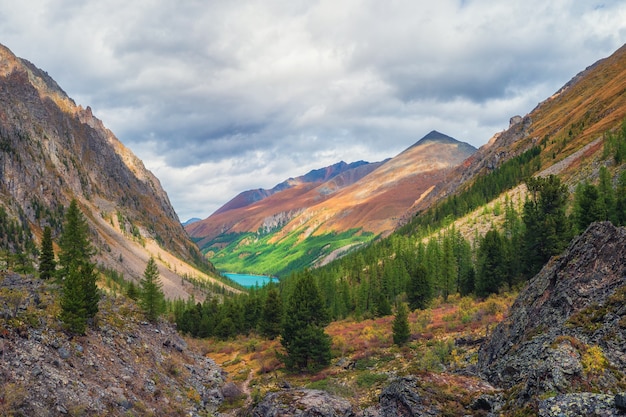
(221, 96)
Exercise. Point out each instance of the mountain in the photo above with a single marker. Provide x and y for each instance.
(53, 151)
(314, 218)
(569, 127)
(315, 176)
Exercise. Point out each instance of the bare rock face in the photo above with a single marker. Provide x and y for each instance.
(566, 331)
(302, 403)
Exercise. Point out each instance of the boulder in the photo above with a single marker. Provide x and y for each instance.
(302, 403)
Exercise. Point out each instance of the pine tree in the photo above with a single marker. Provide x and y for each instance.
(80, 298)
(271, 315)
(303, 336)
(400, 326)
(47, 264)
(151, 297)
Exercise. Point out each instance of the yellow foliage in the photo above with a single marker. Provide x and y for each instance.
(594, 361)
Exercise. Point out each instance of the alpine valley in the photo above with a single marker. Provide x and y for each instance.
(312, 219)
(446, 280)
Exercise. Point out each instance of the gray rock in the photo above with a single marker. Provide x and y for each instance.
(580, 404)
(401, 398)
(302, 403)
(64, 353)
(564, 308)
(620, 401)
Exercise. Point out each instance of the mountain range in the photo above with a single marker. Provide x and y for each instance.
(360, 200)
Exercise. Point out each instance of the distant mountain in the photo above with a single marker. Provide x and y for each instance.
(52, 151)
(246, 198)
(359, 200)
(192, 220)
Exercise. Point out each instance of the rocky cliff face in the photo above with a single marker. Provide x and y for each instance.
(52, 151)
(566, 332)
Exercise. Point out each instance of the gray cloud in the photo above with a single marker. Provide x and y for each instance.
(219, 96)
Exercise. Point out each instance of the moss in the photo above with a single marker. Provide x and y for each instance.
(589, 319)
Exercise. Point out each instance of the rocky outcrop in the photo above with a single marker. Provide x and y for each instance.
(122, 366)
(583, 404)
(566, 331)
(402, 399)
(302, 403)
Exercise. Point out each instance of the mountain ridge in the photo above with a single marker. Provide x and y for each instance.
(53, 151)
(248, 197)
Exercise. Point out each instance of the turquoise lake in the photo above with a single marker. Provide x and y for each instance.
(249, 280)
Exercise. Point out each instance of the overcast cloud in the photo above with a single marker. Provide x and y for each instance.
(221, 96)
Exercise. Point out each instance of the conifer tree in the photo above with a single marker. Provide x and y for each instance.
(400, 326)
(73, 313)
(419, 291)
(491, 262)
(47, 264)
(271, 315)
(79, 301)
(306, 343)
(151, 297)
(547, 229)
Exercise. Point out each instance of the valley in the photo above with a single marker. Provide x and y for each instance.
(446, 280)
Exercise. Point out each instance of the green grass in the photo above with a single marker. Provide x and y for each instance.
(251, 253)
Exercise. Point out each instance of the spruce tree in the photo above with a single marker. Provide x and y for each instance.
(303, 336)
(547, 230)
(271, 315)
(491, 262)
(47, 264)
(400, 326)
(419, 290)
(79, 302)
(151, 297)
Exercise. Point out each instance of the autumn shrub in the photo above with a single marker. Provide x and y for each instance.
(421, 319)
(12, 398)
(594, 362)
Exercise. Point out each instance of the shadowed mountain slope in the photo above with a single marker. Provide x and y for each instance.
(52, 151)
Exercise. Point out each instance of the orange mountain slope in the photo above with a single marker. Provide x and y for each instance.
(374, 203)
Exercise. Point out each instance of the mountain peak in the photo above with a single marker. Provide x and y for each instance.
(435, 136)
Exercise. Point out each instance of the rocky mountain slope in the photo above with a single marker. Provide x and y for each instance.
(123, 366)
(566, 332)
(370, 199)
(568, 126)
(52, 151)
